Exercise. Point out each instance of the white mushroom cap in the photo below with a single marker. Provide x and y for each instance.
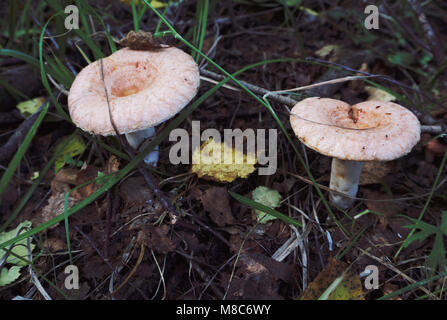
(145, 88)
(371, 130)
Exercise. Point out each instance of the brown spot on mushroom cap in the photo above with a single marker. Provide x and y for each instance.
(387, 133)
(145, 88)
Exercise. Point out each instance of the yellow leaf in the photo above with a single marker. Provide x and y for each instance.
(379, 94)
(28, 107)
(67, 148)
(158, 4)
(154, 3)
(330, 49)
(350, 288)
(217, 161)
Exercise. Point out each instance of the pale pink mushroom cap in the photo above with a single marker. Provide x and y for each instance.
(388, 130)
(145, 88)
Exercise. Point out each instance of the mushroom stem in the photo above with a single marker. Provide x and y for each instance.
(345, 176)
(136, 138)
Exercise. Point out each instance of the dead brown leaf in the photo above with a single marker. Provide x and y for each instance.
(55, 244)
(215, 201)
(135, 191)
(256, 279)
(113, 165)
(63, 179)
(374, 171)
(156, 238)
(387, 208)
(83, 176)
(55, 206)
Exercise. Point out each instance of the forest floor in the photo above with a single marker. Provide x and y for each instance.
(91, 206)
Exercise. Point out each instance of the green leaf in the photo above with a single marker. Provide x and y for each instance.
(20, 248)
(293, 3)
(69, 147)
(267, 197)
(401, 58)
(366, 37)
(103, 178)
(426, 59)
(29, 107)
(443, 226)
(263, 208)
(436, 258)
(10, 275)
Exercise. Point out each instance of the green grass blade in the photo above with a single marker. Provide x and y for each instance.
(331, 288)
(43, 75)
(12, 20)
(20, 55)
(265, 209)
(136, 26)
(31, 61)
(413, 286)
(200, 26)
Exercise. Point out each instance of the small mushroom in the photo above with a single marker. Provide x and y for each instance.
(145, 88)
(367, 131)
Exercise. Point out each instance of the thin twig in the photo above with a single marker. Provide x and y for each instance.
(386, 78)
(428, 31)
(396, 270)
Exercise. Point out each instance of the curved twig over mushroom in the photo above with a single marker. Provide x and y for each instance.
(367, 131)
(145, 89)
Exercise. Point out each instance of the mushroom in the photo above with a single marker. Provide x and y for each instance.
(145, 88)
(367, 131)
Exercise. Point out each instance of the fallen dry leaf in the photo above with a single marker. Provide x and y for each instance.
(374, 171)
(135, 191)
(350, 288)
(215, 201)
(332, 50)
(83, 176)
(113, 165)
(257, 278)
(386, 208)
(55, 206)
(156, 238)
(436, 147)
(63, 179)
(55, 244)
(379, 94)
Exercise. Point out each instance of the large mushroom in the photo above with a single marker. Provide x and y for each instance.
(367, 131)
(145, 88)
